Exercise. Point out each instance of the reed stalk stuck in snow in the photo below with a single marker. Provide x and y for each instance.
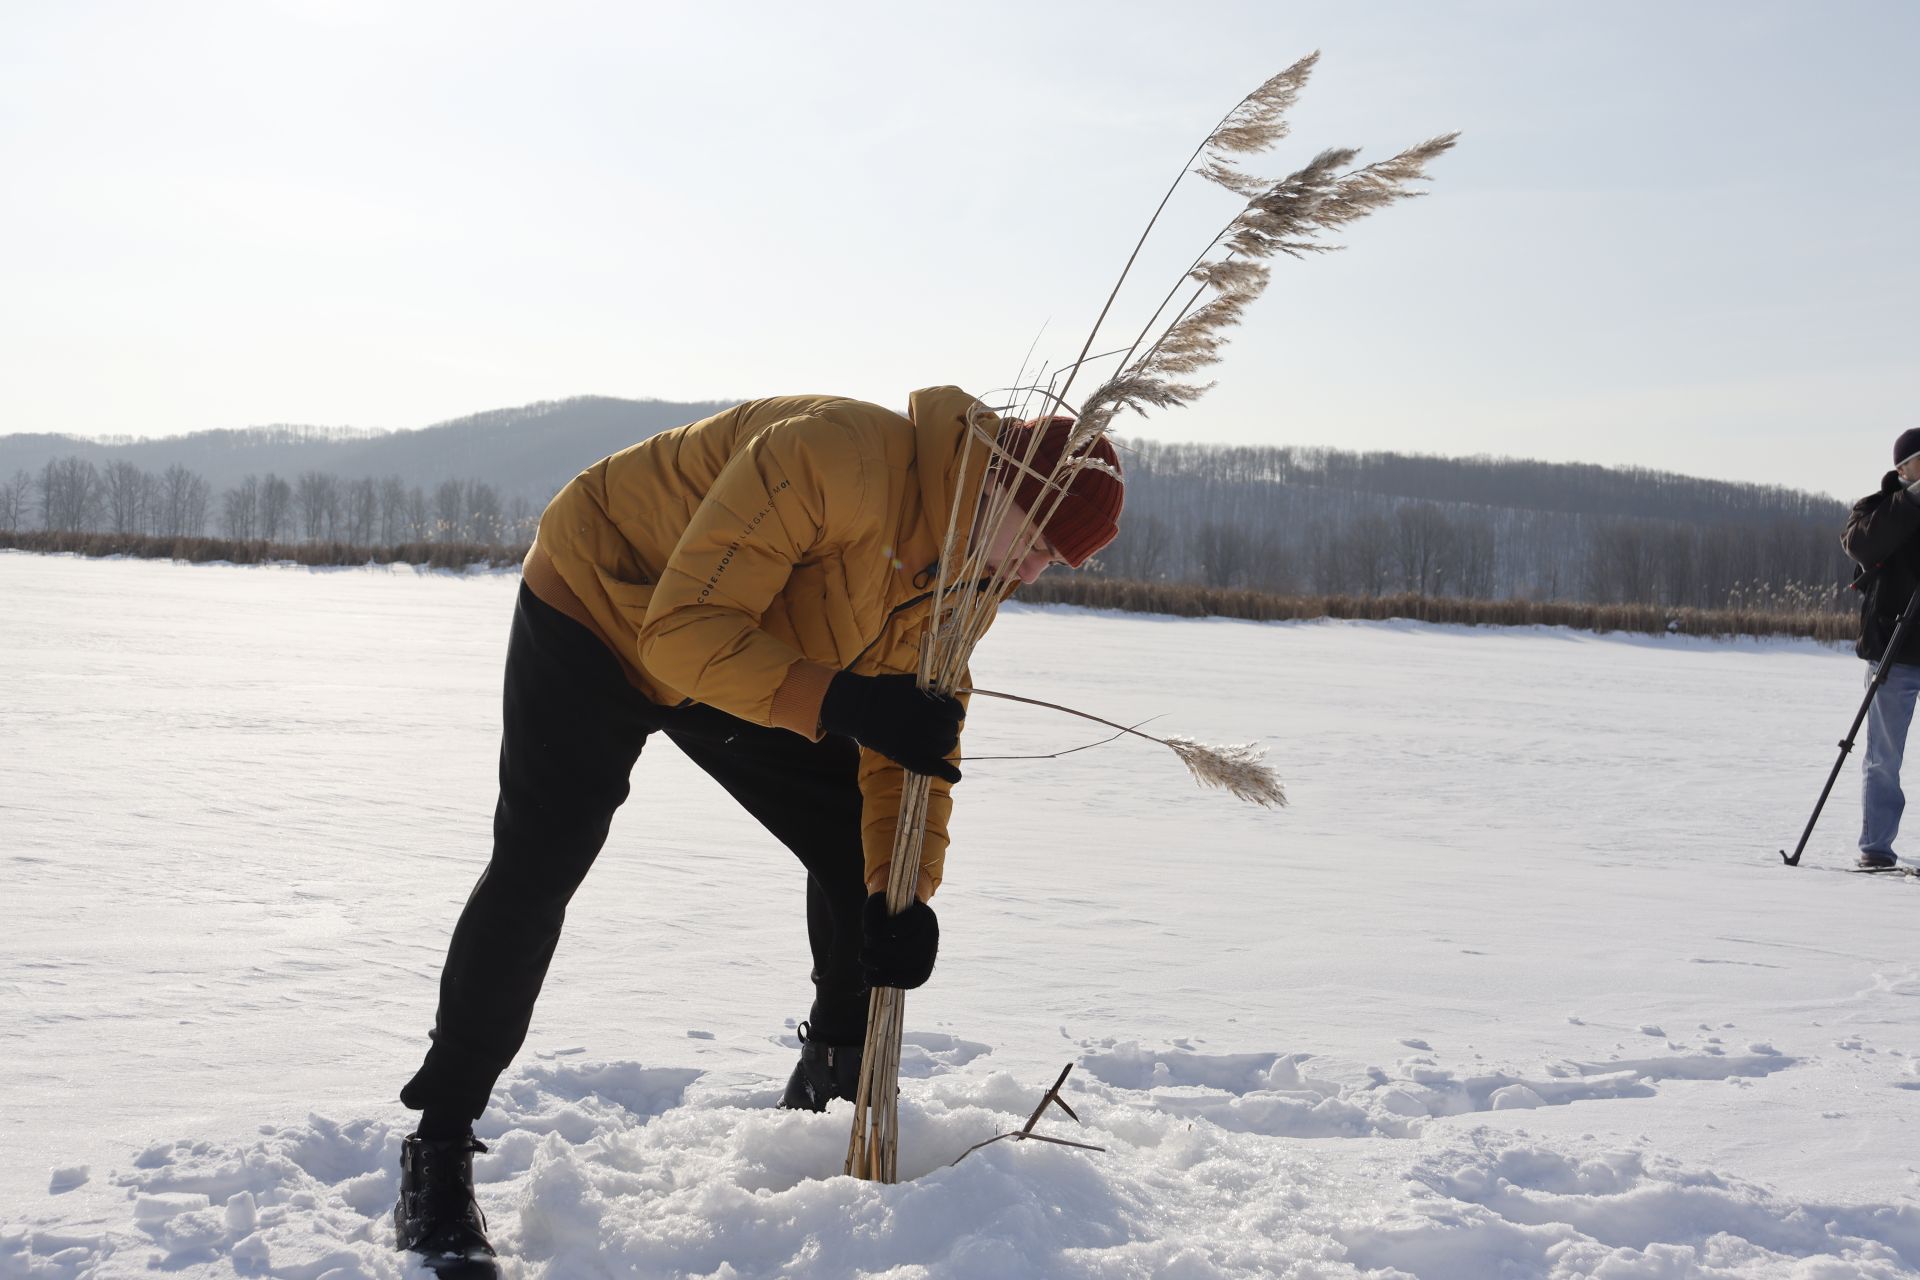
(1284, 216)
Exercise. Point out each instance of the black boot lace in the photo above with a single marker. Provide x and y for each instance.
(443, 1215)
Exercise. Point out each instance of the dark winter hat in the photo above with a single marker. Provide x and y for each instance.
(1088, 516)
(1906, 446)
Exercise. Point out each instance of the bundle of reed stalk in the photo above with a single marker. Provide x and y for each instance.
(1280, 216)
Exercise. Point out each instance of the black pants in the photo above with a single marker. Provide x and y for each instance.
(574, 728)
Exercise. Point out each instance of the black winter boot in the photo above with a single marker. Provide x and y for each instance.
(437, 1216)
(824, 1072)
(1877, 862)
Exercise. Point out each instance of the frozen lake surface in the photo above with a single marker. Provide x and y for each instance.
(1516, 988)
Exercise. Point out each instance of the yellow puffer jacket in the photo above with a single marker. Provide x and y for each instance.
(742, 560)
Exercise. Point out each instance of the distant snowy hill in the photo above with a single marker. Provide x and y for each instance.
(529, 451)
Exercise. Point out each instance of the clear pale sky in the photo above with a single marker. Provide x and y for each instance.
(1676, 234)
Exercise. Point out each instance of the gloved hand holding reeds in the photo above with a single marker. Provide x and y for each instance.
(913, 727)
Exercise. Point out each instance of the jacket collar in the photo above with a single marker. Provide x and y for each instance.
(950, 472)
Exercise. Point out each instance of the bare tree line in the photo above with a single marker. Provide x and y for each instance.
(1429, 550)
(71, 495)
(1291, 521)
(1283, 521)
(1575, 488)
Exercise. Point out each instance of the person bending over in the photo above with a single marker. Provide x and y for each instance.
(754, 586)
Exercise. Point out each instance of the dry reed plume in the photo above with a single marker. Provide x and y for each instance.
(1240, 769)
(1237, 769)
(1286, 216)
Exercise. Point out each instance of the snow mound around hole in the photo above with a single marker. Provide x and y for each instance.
(605, 1169)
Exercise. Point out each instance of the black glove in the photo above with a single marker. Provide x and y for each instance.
(892, 715)
(1890, 483)
(898, 951)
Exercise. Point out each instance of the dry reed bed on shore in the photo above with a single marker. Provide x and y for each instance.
(433, 555)
(1186, 600)
(1183, 600)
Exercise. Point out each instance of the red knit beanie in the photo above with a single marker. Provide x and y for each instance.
(1088, 516)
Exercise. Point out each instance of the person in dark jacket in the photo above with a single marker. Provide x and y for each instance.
(1881, 539)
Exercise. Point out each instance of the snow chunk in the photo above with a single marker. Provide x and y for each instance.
(243, 1214)
(158, 1208)
(1399, 1102)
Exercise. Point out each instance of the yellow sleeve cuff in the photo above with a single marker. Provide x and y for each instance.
(796, 703)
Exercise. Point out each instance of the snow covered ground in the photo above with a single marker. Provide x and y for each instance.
(1517, 988)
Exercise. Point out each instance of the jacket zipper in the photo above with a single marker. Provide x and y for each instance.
(891, 615)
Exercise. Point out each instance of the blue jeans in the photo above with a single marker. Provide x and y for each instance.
(1881, 800)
